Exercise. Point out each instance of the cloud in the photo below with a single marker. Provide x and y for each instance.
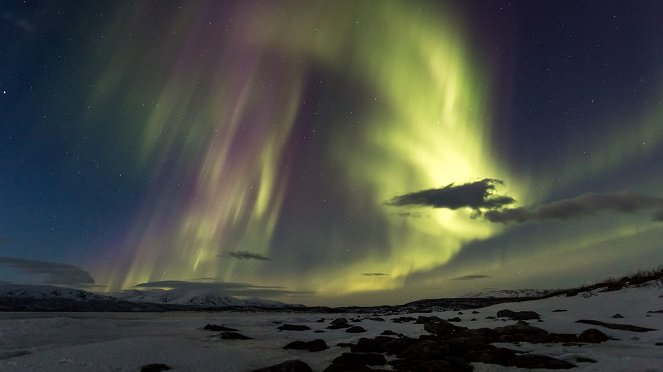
(474, 195)
(581, 206)
(246, 255)
(49, 272)
(224, 288)
(374, 274)
(471, 277)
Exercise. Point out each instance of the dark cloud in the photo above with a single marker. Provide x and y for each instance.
(374, 274)
(477, 195)
(224, 288)
(471, 277)
(581, 206)
(49, 272)
(246, 255)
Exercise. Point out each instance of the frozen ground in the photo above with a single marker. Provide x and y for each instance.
(126, 341)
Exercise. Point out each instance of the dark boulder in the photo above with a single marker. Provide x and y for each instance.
(518, 315)
(355, 329)
(288, 366)
(368, 359)
(155, 367)
(313, 346)
(234, 336)
(593, 336)
(293, 327)
(219, 328)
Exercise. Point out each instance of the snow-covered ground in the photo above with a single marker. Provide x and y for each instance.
(126, 341)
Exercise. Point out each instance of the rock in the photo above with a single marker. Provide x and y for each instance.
(313, 346)
(369, 359)
(218, 328)
(371, 345)
(288, 366)
(455, 319)
(558, 310)
(376, 319)
(355, 329)
(155, 367)
(460, 313)
(426, 349)
(585, 360)
(345, 344)
(234, 336)
(321, 320)
(293, 327)
(623, 327)
(473, 320)
(356, 320)
(318, 331)
(403, 319)
(339, 321)
(334, 367)
(427, 319)
(593, 336)
(339, 326)
(388, 332)
(617, 316)
(437, 365)
(518, 315)
(475, 312)
(441, 327)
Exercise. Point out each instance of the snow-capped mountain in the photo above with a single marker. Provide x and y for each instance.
(196, 297)
(22, 291)
(21, 297)
(509, 293)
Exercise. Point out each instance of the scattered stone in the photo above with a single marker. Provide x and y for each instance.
(659, 344)
(339, 326)
(376, 319)
(339, 321)
(617, 316)
(559, 310)
(155, 367)
(422, 365)
(293, 327)
(593, 336)
(623, 327)
(321, 320)
(369, 359)
(426, 319)
(355, 329)
(522, 322)
(288, 366)
(388, 332)
(460, 313)
(518, 315)
(403, 319)
(425, 350)
(585, 360)
(313, 346)
(441, 327)
(491, 317)
(355, 320)
(234, 336)
(655, 311)
(473, 320)
(455, 319)
(344, 344)
(475, 312)
(219, 328)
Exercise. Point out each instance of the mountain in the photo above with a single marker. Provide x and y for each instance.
(21, 297)
(193, 297)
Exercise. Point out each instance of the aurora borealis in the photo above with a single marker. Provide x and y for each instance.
(352, 152)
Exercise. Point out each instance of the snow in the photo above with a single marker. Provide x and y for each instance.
(195, 297)
(126, 341)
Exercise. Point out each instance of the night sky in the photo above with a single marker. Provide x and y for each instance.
(330, 152)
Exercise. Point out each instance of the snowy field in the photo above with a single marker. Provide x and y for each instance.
(126, 341)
